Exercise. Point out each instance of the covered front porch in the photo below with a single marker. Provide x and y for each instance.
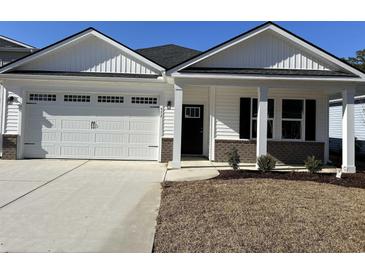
(286, 119)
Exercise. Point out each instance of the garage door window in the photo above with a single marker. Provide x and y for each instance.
(144, 100)
(36, 97)
(77, 98)
(111, 99)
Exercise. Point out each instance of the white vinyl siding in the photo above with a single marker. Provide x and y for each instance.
(12, 116)
(266, 50)
(200, 96)
(228, 111)
(335, 122)
(90, 54)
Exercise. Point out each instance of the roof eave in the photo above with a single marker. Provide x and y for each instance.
(265, 77)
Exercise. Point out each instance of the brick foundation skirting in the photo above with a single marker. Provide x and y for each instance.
(9, 147)
(166, 149)
(285, 152)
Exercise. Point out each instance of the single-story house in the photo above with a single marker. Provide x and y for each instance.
(10, 50)
(265, 91)
(335, 125)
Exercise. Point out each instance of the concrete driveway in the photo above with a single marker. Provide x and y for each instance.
(78, 206)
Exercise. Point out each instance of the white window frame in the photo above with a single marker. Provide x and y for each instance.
(190, 117)
(268, 119)
(302, 120)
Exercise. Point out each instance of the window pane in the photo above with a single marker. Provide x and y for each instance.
(269, 129)
(292, 109)
(291, 129)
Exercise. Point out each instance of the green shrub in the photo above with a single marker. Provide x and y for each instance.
(312, 164)
(234, 159)
(266, 163)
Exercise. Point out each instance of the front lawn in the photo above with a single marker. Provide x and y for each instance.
(260, 215)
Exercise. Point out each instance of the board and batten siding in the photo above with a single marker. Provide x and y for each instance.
(90, 54)
(266, 50)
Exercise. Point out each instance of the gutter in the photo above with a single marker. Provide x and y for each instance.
(19, 76)
(254, 77)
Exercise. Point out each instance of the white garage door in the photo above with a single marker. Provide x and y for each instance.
(91, 127)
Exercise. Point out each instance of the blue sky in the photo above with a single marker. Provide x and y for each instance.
(339, 38)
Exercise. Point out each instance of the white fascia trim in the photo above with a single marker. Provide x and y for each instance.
(340, 100)
(79, 78)
(48, 50)
(17, 49)
(16, 42)
(252, 77)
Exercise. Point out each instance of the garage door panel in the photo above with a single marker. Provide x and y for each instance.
(113, 152)
(75, 151)
(122, 124)
(77, 137)
(114, 138)
(148, 139)
(77, 124)
(64, 130)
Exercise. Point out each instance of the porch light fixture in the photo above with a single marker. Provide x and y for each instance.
(169, 105)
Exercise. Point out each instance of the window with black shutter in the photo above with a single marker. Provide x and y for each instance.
(245, 118)
(310, 120)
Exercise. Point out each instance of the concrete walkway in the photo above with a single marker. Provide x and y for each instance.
(78, 206)
(195, 169)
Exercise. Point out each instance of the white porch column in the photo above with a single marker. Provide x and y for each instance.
(176, 152)
(261, 139)
(212, 123)
(348, 131)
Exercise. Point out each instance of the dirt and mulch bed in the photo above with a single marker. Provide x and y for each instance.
(347, 180)
(260, 215)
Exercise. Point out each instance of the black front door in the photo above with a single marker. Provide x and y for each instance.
(192, 129)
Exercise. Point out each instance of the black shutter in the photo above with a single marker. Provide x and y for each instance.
(245, 118)
(310, 120)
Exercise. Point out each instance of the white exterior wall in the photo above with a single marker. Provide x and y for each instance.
(228, 111)
(335, 125)
(200, 96)
(266, 50)
(336, 121)
(191, 95)
(91, 54)
(13, 116)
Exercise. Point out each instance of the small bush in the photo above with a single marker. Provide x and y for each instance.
(234, 159)
(266, 163)
(312, 164)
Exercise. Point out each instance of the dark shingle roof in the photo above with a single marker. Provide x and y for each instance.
(269, 72)
(95, 74)
(168, 55)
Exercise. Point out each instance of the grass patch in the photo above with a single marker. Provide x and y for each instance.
(260, 215)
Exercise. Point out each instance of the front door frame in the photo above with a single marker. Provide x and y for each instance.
(201, 131)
